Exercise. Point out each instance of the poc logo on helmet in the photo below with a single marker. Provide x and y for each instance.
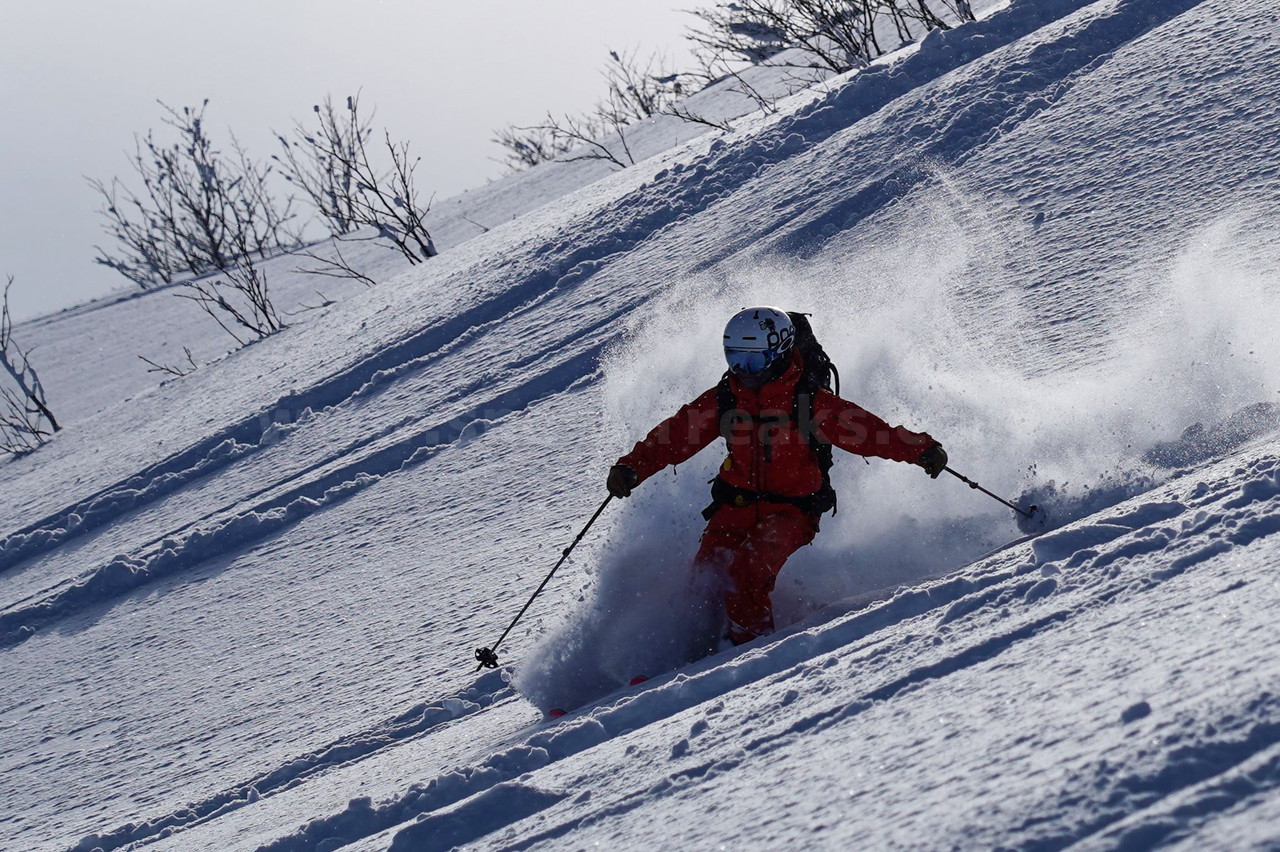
(778, 339)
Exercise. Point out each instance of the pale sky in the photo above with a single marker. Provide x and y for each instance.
(79, 77)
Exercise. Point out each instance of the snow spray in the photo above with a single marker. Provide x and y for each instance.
(950, 340)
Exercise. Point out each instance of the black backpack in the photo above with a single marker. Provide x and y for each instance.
(818, 372)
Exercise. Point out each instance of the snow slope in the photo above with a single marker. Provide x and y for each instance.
(238, 611)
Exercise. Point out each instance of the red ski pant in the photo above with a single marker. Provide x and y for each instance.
(750, 545)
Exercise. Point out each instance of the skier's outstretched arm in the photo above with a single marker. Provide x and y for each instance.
(854, 429)
(674, 440)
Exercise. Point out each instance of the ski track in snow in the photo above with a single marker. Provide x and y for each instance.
(186, 548)
(1189, 767)
(261, 429)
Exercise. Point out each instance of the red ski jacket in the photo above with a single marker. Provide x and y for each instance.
(768, 451)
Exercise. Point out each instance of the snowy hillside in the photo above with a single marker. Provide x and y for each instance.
(238, 610)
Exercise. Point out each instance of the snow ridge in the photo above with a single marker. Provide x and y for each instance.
(271, 424)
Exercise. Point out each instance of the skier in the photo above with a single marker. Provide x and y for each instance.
(779, 421)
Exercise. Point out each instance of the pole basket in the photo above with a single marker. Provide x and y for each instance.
(487, 657)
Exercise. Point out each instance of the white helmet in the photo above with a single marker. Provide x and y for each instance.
(757, 338)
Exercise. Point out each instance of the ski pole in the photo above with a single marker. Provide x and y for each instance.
(488, 657)
(1029, 514)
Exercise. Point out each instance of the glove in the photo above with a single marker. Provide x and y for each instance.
(621, 480)
(933, 460)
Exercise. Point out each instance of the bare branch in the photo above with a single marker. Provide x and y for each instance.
(325, 302)
(331, 268)
(215, 303)
(26, 421)
(322, 163)
(528, 146)
(685, 114)
(179, 372)
(580, 135)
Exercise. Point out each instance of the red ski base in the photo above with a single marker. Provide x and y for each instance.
(638, 679)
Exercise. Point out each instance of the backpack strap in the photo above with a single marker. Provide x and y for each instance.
(822, 449)
(725, 402)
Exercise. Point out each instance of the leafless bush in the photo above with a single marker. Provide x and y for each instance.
(237, 300)
(720, 68)
(525, 147)
(335, 169)
(589, 137)
(25, 419)
(838, 35)
(634, 92)
(321, 162)
(149, 257)
(241, 303)
(200, 210)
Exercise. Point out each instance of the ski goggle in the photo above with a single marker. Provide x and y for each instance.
(750, 362)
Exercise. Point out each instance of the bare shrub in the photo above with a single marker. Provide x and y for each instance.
(199, 210)
(336, 171)
(634, 91)
(588, 137)
(25, 419)
(838, 35)
(637, 91)
(238, 300)
(525, 147)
